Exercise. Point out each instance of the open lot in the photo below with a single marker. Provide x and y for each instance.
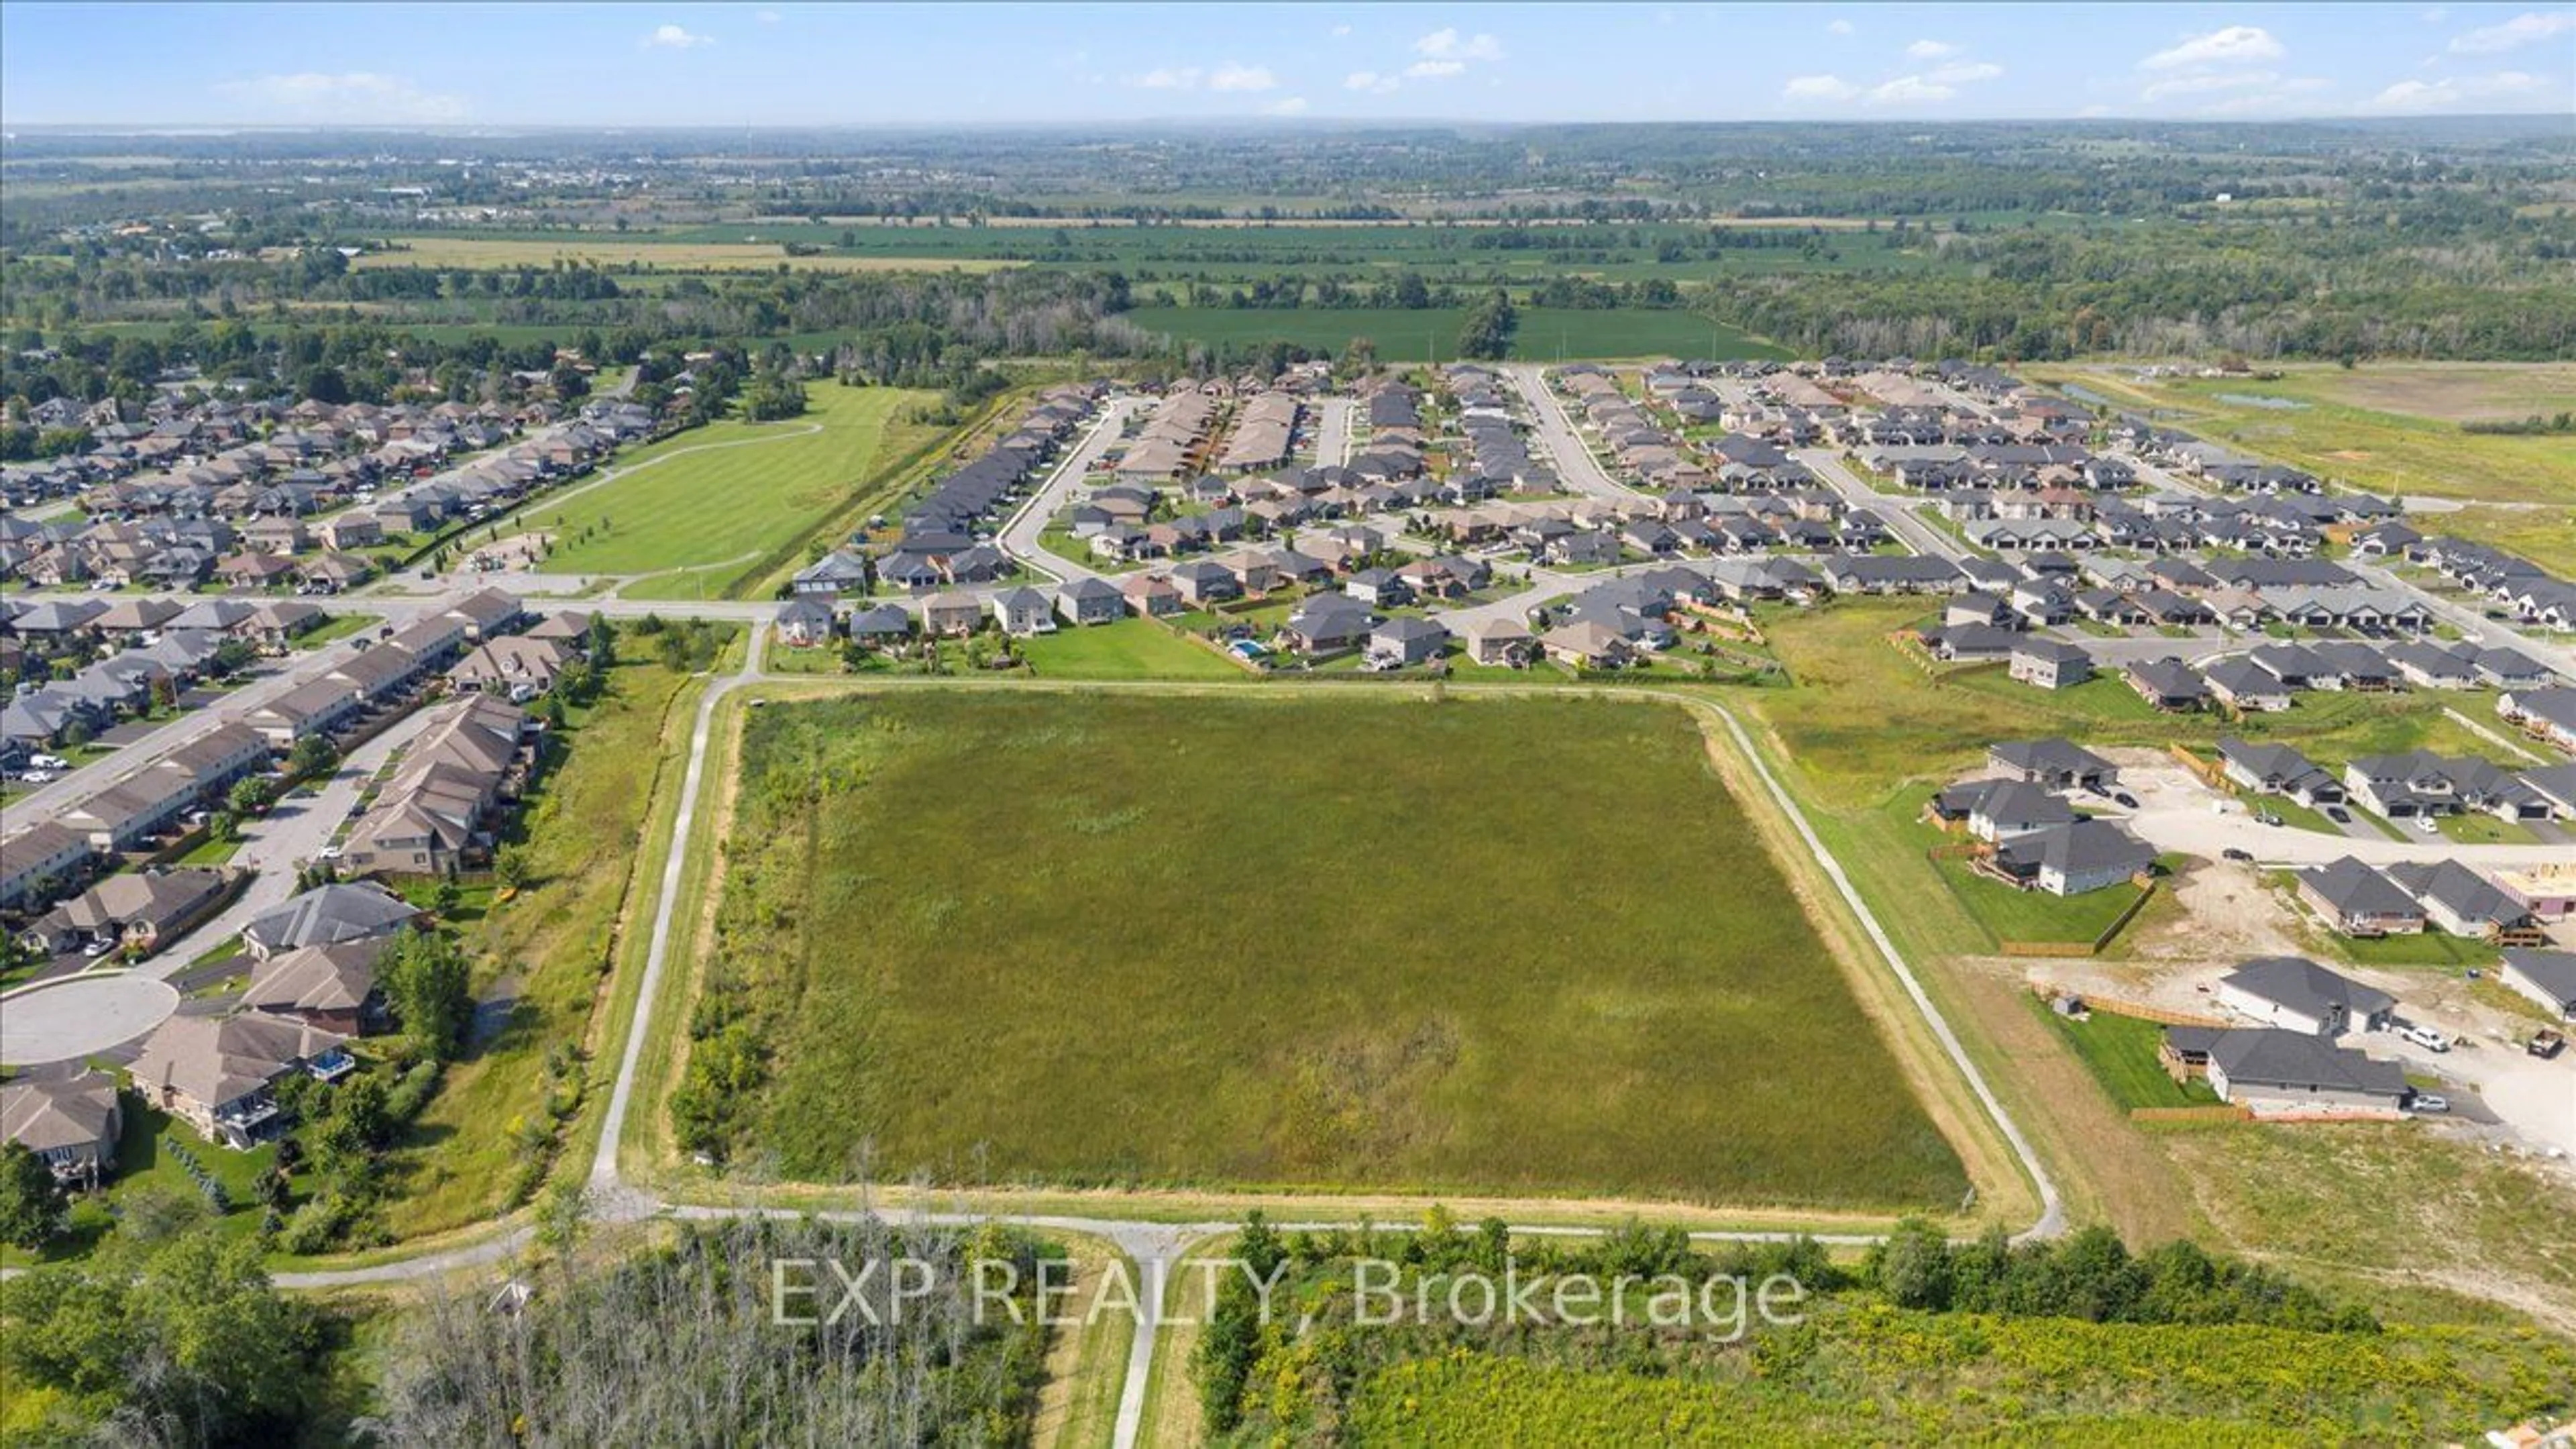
(1519, 947)
(721, 499)
(2392, 429)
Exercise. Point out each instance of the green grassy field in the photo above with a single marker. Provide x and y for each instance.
(1311, 942)
(721, 498)
(545, 948)
(2121, 1053)
(2391, 429)
(1546, 334)
(1128, 649)
(1864, 1373)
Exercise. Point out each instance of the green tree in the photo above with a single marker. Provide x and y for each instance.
(510, 866)
(1913, 1266)
(32, 1211)
(1486, 335)
(429, 985)
(252, 796)
(312, 755)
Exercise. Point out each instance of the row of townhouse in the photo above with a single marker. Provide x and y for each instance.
(2409, 898)
(433, 814)
(140, 650)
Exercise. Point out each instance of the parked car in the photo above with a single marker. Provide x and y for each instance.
(2125, 799)
(2338, 815)
(2546, 1043)
(2425, 1037)
(2429, 1102)
(49, 762)
(2425, 824)
(2232, 853)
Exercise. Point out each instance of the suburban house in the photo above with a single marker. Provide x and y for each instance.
(2277, 770)
(514, 665)
(1589, 644)
(2357, 900)
(2069, 860)
(215, 1073)
(2457, 899)
(71, 1124)
(1323, 623)
(953, 615)
(881, 627)
(2548, 978)
(804, 622)
(2246, 687)
(2049, 664)
(2054, 763)
(1090, 600)
(326, 915)
(1153, 595)
(1402, 642)
(2549, 713)
(2297, 994)
(1500, 642)
(137, 910)
(2168, 684)
(2271, 1072)
(1024, 611)
(331, 987)
(1999, 810)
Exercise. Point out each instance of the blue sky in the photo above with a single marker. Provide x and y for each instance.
(787, 64)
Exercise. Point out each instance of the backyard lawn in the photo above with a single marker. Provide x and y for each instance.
(1337, 942)
(2121, 1051)
(720, 500)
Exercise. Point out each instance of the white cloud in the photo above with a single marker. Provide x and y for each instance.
(1908, 90)
(2458, 90)
(1340, 30)
(1287, 106)
(352, 96)
(1434, 69)
(1448, 44)
(1965, 73)
(1370, 81)
(2234, 45)
(1819, 88)
(1168, 78)
(2520, 31)
(1233, 77)
(673, 37)
(1931, 50)
(1838, 27)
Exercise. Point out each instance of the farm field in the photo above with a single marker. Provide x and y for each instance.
(615, 251)
(2392, 429)
(1546, 334)
(724, 497)
(1292, 942)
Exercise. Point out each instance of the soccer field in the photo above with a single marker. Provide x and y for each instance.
(718, 499)
(1521, 947)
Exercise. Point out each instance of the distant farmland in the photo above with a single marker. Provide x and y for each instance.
(1523, 947)
(1546, 334)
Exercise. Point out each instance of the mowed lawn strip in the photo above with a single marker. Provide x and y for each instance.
(728, 492)
(1512, 947)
